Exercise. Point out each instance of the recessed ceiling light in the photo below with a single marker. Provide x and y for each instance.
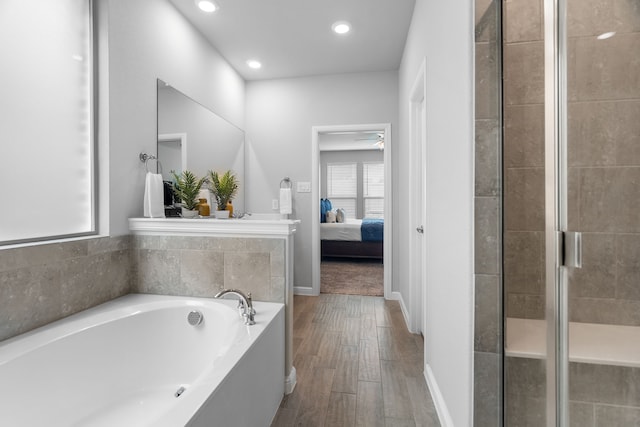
(254, 64)
(206, 5)
(605, 36)
(341, 27)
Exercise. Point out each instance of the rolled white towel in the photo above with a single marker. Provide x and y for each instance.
(285, 201)
(153, 196)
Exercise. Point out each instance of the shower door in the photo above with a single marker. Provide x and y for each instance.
(572, 199)
(600, 134)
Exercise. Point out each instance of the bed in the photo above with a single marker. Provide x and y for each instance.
(354, 238)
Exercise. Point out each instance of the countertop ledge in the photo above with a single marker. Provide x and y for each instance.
(212, 226)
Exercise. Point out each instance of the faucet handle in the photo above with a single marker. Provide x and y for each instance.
(241, 308)
(248, 318)
(252, 311)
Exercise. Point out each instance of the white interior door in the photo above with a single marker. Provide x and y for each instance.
(423, 215)
(418, 205)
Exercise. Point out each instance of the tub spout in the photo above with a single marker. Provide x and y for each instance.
(244, 304)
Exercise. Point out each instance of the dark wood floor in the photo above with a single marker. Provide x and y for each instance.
(357, 365)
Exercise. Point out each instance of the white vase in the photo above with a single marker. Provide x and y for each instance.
(221, 214)
(187, 213)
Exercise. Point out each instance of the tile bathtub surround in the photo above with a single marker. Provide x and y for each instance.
(203, 266)
(44, 283)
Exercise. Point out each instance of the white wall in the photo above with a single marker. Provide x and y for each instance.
(442, 31)
(279, 117)
(150, 39)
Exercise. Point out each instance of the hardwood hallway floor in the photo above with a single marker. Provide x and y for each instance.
(357, 365)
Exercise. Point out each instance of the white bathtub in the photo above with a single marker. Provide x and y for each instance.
(121, 364)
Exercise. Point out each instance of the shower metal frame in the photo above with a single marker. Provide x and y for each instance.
(556, 222)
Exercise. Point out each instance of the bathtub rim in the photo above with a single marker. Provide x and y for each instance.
(121, 307)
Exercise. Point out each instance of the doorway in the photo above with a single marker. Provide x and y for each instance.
(334, 140)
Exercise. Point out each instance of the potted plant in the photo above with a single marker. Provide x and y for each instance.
(186, 187)
(224, 188)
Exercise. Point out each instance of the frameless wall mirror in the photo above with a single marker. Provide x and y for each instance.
(191, 137)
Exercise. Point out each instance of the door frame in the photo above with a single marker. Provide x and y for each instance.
(556, 279)
(182, 139)
(418, 147)
(315, 200)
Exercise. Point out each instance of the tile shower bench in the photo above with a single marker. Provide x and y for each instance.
(201, 256)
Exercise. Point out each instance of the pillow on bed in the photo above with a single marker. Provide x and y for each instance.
(340, 215)
(331, 217)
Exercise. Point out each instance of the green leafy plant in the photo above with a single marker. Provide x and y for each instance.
(186, 187)
(224, 187)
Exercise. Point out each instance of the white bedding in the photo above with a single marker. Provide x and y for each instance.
(348, 230)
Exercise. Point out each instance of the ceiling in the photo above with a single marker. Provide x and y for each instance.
(293, 38)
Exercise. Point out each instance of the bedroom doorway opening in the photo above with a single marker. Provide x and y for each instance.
(352, 193)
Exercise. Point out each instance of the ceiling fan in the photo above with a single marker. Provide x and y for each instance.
(377, 137)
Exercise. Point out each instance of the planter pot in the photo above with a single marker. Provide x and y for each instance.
(221, 214)
(186, 213)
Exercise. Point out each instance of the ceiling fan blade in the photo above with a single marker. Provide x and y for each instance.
(378, 137)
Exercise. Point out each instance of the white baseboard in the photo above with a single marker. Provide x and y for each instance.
(395, 296)
(405, 312)
(438, 399)
(290, 381)
(303, 290)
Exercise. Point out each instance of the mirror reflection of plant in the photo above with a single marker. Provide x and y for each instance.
(186, 187)
(224, 187)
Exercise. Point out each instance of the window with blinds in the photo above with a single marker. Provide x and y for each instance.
(342, 186)
(373, 189)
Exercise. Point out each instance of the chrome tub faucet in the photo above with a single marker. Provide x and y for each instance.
(245, 305)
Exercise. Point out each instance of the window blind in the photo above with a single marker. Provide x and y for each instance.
(373, 189)
(342, 186)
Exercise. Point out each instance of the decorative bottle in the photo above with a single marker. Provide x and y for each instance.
(230, 209)
(203, 208)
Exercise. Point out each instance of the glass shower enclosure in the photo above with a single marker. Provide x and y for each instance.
(571, 212)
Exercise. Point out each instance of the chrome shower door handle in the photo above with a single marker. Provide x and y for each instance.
(420, 229)
(572, 242)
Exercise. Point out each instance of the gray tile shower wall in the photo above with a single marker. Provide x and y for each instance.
(44, 283)
(524, 249)
(488, 192)
(599, 395)
(603, 159)
(203, 266)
